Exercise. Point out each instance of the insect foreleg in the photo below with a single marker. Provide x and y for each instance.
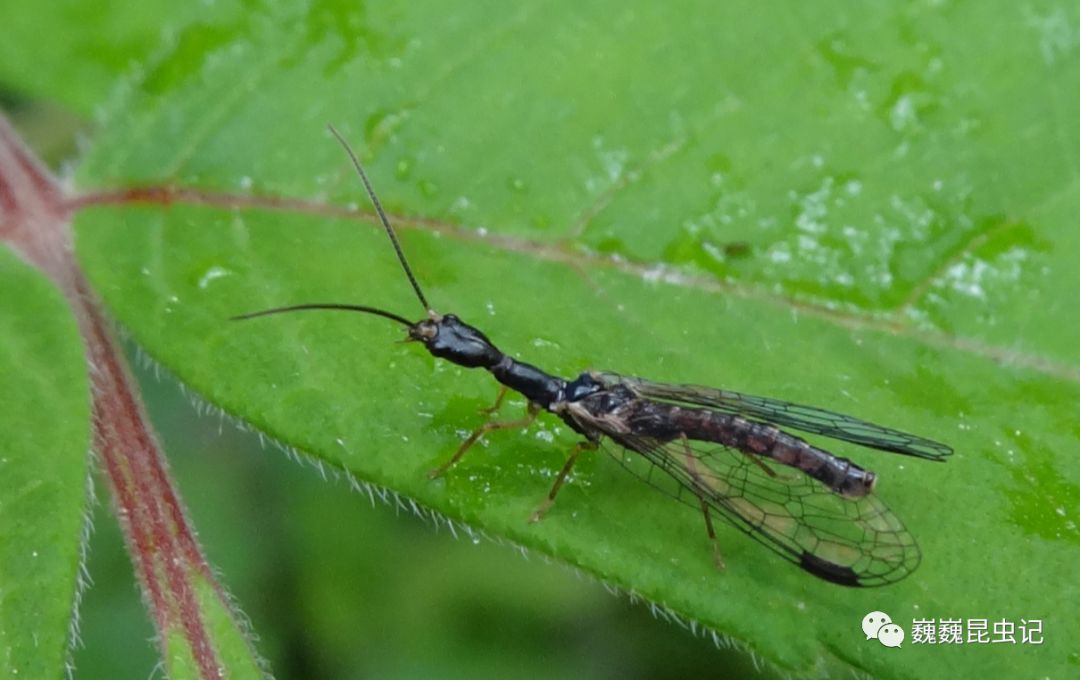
(479, 432)
(491, 410)
(587, 445)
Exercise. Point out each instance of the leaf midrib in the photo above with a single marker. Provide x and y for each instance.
(581, 259)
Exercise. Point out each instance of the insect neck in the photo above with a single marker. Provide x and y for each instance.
(537, 386)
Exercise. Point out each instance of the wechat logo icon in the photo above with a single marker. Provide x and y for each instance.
(879, 626)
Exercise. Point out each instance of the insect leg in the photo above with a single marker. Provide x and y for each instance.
(587, 445)
(760, 463)
(717, 557)
(766, 469)
(479, 432)
(691, 466)
(490, 410)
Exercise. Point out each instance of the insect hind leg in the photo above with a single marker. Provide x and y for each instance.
(479, 432)
(718, 559)
(692, 468)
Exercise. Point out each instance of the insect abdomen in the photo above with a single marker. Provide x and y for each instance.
(756, 439)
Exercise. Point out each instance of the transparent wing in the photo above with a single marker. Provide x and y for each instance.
(797, 416)
(850, 541)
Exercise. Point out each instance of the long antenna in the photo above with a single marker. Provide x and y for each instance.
(327, 305)
(382, 217)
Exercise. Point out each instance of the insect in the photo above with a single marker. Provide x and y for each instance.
(721, 452)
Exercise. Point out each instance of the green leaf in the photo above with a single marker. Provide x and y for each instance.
(45, 420)
(95, 44)
(862, 207)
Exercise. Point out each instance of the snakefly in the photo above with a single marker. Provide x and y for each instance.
(721, 452)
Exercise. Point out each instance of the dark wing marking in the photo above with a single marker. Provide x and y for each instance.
(797, 416)
(850, 541)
